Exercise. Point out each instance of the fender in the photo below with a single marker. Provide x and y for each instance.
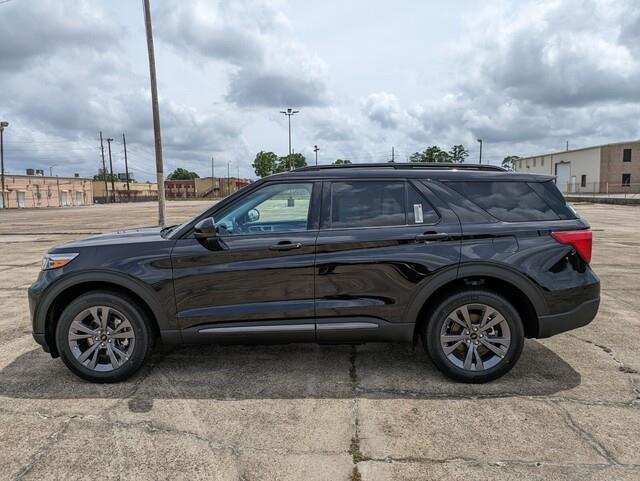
(487, 269)
(512, 276)
(166, 321)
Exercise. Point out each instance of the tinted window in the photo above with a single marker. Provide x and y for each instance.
(419, 211)
(367, 204)
(626, 155)
(507, 201)
(552, 196)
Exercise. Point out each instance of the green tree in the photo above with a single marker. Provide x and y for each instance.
(105, 176)
(341, 162)
(288, 162)
(458, 153)
(509, 161)
(182, 174)
(265, 163)
(431, 154)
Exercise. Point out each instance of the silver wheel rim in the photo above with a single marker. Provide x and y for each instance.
(101, 338)
(475, 337)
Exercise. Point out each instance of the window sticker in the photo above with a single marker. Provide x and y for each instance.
(417, 213)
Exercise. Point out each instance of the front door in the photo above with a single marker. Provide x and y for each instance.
(380, 240)
(255, 279)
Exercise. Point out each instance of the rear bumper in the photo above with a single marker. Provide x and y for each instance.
(556, 323)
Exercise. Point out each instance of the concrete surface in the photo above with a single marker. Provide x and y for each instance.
(569, 410)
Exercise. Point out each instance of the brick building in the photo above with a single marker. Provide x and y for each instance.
(29, 191)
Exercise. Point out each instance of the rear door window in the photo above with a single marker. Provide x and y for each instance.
(367, 204)
(507, 201)
(419, 211)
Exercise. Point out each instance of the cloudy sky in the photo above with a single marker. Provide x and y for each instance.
(366, 75)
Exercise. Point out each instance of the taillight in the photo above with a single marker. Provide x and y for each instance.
(580, 240)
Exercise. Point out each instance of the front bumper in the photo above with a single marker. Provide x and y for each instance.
(582, 315)
(37, 328)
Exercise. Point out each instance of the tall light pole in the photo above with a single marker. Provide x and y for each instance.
(289, 113)
(480, 140)
(104, 171)
(3, 124)
(156, 113)
(51, 169)
(315, 149)
(126, 162)
(113, 185)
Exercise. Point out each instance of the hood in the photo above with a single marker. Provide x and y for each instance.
(131, 236)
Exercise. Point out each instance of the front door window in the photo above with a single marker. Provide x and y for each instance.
(273, 208)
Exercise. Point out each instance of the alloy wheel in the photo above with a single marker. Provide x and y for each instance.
(101, 338)
(475, 337)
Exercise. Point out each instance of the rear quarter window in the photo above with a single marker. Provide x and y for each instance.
(507, 201)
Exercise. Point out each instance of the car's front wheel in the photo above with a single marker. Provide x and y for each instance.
(104, 336)
(474, 336)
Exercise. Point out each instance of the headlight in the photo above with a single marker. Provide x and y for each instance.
(55, 261)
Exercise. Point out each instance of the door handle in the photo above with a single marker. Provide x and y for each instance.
(432, 236)
(285, 246)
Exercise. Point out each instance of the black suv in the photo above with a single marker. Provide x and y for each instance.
(468, 259)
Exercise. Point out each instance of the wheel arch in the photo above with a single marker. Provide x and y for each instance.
(66, 290)
(519, 290)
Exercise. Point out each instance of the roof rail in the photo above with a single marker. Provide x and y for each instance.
(413, 165)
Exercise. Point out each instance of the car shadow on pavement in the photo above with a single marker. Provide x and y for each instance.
(293, 371)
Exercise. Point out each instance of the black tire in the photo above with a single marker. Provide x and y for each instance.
(140, 326)
(431, 337)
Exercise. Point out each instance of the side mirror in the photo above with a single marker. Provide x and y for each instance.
(205, 229)
(253, 215)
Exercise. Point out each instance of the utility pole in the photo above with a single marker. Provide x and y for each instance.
(213, 177)
(289, 113)
(315, 149)
(59, 199)
(228, 179)
(3, 124)
(113, 185)
(393, 154)
(156, 113)
(567, 145)
(126, 165)
(104, 171)
(480, 140)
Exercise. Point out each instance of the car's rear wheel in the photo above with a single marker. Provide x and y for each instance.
(474, 336)
(104, 337)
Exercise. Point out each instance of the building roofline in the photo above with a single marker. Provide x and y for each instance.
(52, 177)
(579, 149)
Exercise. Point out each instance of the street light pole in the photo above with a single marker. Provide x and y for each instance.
(156, 113)
(289, 113)
(315, 149)
(51, 170)
(3, 124)
(113, 185)
(126, 164)
(480, 140)
(104, 171)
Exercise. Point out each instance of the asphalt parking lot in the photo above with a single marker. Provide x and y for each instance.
(569, 410)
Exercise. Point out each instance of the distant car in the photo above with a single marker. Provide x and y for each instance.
(468, 259)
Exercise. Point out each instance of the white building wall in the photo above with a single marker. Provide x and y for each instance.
(581, 162)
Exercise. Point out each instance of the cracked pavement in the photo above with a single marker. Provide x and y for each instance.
(569, 410)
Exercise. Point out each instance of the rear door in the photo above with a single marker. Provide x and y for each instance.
(380, 239)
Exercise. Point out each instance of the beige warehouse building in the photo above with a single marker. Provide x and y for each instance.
(29, 191)
(136, 192)
(609, 168)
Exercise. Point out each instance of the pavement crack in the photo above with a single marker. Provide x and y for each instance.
(354, 448)
(586, 435)
(41, 453)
